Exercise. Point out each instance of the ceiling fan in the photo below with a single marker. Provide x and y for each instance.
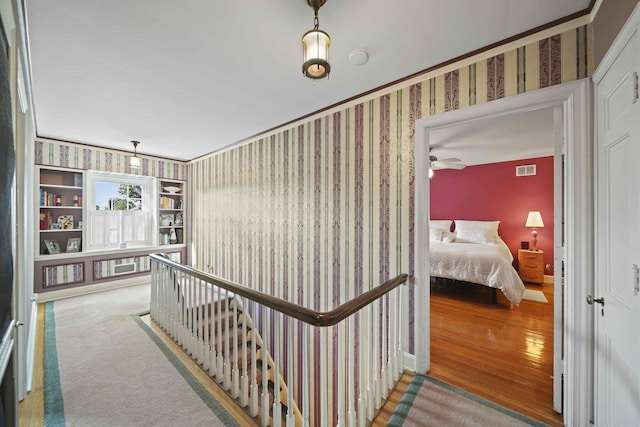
(451, 163)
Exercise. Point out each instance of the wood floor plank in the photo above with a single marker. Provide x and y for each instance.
(512, 360)
(500, 352)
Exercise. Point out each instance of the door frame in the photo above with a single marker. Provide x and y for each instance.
(575, 99)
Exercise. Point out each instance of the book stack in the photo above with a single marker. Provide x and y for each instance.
(167, 203)
(48, 198)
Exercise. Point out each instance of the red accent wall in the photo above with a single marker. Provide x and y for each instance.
(493, 192)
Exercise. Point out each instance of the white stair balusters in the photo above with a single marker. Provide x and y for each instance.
(244, 379)
(277, 405)
(291, 420)
(336, 375)
(265, 369)
(253, 406)
(351, 375)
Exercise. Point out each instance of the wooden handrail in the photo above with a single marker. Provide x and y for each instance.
(312, 317)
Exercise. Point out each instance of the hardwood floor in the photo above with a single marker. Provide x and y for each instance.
(501, 352)
(383, 417)
(497, 351)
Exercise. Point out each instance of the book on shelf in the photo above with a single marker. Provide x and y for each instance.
(48, 198)
(46, 219)
(167, 203)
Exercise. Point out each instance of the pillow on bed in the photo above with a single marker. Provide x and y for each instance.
(435, 234)
(477, 231)
(442, 224)
(448, 237)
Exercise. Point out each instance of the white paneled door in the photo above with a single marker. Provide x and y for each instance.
(616, 301)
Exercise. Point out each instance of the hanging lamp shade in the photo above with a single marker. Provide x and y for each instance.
(135, 162)
(315, 48)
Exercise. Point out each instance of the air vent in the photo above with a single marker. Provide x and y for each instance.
(525, 170)
(123, 269)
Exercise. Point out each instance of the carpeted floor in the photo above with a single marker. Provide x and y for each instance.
(104, 368)
(430, 403)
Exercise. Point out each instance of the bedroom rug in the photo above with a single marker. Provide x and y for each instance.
(533, 295)
(103, 367)
(429, 402)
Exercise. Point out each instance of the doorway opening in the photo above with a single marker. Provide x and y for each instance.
(571, 101)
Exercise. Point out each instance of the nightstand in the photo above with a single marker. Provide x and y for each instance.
(531, 266)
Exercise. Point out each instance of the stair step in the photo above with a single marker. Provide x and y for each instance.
(220, 310)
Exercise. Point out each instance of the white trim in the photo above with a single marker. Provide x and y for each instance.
(594, 10)
(99, 224)
(90, 289)
(6, 348)
(576, 99)
(31, 346)
(558, 254)
(408, 362)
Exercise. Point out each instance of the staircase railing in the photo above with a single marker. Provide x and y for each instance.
(284, 363)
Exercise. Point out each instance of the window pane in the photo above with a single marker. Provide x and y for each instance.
(104, 192)
(118, 204)
(121, 211)
(136, 192)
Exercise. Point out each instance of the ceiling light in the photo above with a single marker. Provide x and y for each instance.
(315, 48)
(135, 162)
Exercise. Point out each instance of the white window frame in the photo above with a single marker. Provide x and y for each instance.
(107, 229)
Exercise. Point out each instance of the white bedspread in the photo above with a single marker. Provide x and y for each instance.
(486, 264)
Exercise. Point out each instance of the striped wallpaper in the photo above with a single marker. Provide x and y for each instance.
(322, 210)
(78, 156)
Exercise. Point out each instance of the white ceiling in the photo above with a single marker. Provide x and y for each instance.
(188, 78)
(496, 139)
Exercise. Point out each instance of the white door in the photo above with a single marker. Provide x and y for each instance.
(617, 308)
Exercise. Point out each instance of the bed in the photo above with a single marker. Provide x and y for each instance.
(477, 256)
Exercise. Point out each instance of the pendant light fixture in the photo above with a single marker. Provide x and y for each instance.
(315, 47)
(135, 162)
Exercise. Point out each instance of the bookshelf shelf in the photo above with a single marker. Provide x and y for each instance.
(60, 211)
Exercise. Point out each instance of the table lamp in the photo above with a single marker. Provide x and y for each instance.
(534, 220)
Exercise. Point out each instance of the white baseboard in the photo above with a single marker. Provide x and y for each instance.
(31, 345)
(409, 362)
(89, 289)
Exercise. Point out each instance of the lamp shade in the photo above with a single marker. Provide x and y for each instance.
(534, 219)
(315, 51)
(135, 162)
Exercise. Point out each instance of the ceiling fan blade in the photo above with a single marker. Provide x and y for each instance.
(450, 160)
(438, 165)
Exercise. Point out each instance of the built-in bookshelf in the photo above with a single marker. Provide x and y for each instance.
(61, 212)
(63, 258)
(171, 212)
